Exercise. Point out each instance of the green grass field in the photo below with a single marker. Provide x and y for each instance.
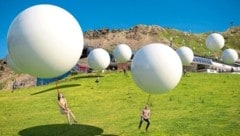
(201, 104)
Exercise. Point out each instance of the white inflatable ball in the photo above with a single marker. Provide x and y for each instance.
(122, 53)
(45, 41)
(215, 42)
(229, 56)
(156, 68)
(186, 55)
(12, 65)
(98, 59)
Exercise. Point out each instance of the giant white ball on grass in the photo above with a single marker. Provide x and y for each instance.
(45, 41)
(229, 56)
(98, 59)
(186, 55)
(215, 41)
(156, 68)
(122, 53)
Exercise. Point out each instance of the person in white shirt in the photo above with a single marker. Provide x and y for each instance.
(145, 115)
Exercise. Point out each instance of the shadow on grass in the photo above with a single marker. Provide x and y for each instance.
(63, 130)
(86, 76)
(54, 88)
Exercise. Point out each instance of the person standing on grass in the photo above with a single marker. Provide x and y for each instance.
(97, 80)
(184, 71)
(145, 116)
(62, 102)
(14, 85)
(125, 72)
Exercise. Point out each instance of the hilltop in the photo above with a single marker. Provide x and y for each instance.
(140, 35)
(136, 37)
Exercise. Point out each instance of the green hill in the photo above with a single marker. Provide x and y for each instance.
(201, 104)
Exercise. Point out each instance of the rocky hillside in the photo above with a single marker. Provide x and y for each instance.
(135, 37)
(140, 35)
(7, 77)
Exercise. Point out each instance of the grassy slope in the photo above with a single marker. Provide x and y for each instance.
(197, 41)
(194, 41)
(201, 104)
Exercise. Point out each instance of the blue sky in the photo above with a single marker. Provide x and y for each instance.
(196, 16)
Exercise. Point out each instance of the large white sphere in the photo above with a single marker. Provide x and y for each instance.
(156, 68)
(215, 42)
(98, 59)
(186, 55)
(122, 53)
(12, 65)
(229, 56)
(45, 41)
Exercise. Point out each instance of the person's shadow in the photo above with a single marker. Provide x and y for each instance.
(62, 130)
